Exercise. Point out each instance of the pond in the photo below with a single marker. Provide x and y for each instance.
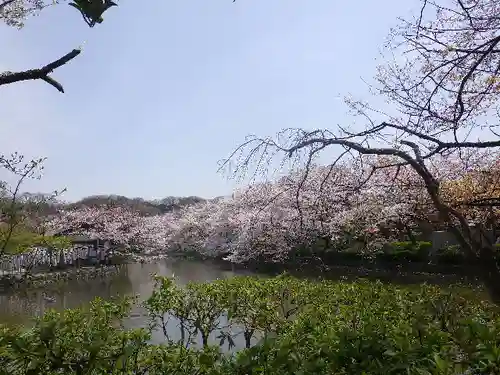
(131, 279)
(134, 279)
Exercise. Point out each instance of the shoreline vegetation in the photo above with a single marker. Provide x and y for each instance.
(278, 325)
(397, 260)
(394, 257)
(41, 279)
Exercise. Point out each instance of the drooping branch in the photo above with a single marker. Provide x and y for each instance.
(41, 73)
(358, 147)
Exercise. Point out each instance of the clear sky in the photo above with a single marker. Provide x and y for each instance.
(165, 89)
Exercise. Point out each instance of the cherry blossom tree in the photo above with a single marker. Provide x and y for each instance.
(443, 88)
(336, 207)
(120, 225)
(116, 224)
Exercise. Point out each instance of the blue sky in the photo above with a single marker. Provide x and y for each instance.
(165, 89)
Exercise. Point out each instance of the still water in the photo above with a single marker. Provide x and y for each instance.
(131, 279)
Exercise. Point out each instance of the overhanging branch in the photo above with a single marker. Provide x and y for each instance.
(42, 73)
(324, 142)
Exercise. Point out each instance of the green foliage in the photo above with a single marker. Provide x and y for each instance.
(406, 251)
(452, 254)
(92, 10)
(75, 341)
(288, 326)
(22, 241)
(18, 241)
(198, 308)
(48, 242)
(394, 252)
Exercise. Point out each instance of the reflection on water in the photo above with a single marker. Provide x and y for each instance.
(132, 279)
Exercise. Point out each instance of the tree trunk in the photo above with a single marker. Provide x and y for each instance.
(490, 272)
(475, 252)
(410, 234)
(62, 260)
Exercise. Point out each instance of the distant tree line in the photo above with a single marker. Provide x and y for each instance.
(143, 206)
(44, 206)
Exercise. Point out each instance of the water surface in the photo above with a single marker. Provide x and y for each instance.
(131, 279)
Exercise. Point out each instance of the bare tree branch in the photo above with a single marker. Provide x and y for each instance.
(41, 73)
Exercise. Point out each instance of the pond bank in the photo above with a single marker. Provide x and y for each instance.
(41, 279)
(392, 272)
(19, 305)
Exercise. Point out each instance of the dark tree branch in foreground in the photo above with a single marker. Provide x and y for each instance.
(41, 73)
(13, 11)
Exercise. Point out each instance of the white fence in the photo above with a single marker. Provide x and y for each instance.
(41, 258)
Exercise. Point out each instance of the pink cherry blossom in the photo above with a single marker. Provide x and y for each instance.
(269, 220)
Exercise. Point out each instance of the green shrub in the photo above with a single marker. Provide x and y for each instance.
(405, 251)
(343, 255)
(451, 254)
(290, 326)
(304, 252)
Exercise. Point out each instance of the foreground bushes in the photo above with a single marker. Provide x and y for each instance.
(279, 326)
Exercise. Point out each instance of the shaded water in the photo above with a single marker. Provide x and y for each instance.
(132, 279)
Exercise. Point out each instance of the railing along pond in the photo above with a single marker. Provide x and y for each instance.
(43, 259)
